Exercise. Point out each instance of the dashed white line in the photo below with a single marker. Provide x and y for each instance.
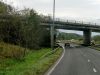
(88, 60)
(94, 70)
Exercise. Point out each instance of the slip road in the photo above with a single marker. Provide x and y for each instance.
(78, 61)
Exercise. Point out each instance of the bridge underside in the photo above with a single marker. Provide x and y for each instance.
(86, 30)
(70, 27)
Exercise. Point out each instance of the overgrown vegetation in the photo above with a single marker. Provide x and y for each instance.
(34, 63)
(24, 42)
(23, 28)
(11, 51)
(96, 39)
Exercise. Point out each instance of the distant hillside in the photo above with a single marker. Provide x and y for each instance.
(96, 38)
(69, 36)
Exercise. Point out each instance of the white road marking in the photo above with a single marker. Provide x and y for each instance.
(94, 70)
(88, 60)
(52, 69)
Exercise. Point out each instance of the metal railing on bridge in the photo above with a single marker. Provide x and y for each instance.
(70, 22)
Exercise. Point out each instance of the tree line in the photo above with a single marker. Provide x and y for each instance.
(23, 27)
(68, 36)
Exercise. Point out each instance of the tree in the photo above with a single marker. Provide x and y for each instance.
(23, 28)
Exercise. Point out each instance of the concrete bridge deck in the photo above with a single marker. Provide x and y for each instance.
(72, 25)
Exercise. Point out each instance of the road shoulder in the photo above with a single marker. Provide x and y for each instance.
(51, 69)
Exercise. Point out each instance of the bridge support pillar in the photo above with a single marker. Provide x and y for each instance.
(87, 37)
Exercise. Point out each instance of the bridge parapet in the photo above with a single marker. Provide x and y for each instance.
(70, 22)
(75, 25)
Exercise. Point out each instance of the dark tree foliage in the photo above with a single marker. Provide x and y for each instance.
(23, 28)
(33, 33)
(5, 9)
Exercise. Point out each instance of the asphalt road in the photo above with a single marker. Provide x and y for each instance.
(79, 61)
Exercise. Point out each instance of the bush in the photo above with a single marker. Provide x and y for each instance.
(11, 51)
(23, 29)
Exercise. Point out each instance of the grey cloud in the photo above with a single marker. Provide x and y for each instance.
(64, 8)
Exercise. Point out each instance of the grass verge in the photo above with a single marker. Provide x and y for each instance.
(32, 64)
(95, 47)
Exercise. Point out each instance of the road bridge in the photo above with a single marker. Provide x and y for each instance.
(87, 28)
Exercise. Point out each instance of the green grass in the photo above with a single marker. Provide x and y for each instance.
(96, 48)
(11, 51)
(34, 63)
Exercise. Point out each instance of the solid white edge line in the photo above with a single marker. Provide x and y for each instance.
(94, 70)
(52, 69)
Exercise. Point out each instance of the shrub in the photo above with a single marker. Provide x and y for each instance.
(11, 51)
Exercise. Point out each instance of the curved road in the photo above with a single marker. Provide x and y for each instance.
(79, 61)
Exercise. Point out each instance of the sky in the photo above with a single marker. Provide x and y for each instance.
(82, 10)
(76, 9)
